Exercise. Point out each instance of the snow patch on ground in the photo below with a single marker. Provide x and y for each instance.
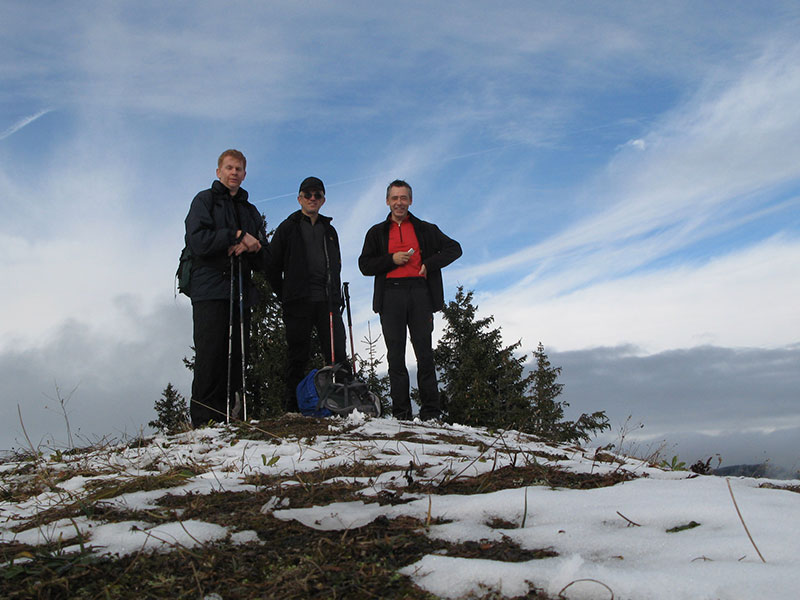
(616, 536)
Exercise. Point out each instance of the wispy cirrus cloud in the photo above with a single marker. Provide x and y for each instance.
(720, 159)
(23, 122)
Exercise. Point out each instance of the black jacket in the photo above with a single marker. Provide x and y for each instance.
(436, 249)
(288, 270)
(211, 225)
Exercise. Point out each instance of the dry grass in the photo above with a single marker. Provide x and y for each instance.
(289, 560)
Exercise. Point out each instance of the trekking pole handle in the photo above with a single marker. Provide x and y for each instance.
(346, 291)
(346, 286)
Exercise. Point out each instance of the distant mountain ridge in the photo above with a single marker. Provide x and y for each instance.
(765, 470)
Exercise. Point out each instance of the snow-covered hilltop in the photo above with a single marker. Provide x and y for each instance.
(300, 507)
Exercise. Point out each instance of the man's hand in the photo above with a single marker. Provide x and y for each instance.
(401, 258)
(251, 243)
(247, 244)
(423, 272)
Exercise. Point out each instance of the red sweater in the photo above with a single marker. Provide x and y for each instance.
(402, 237)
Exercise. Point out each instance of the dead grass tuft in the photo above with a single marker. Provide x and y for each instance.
(788, 488)
(532, 474)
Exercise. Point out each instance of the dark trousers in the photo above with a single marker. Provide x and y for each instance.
(300, 318)
(210, 384)
(407, 306)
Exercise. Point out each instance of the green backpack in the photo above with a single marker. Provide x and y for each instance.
(183, 275)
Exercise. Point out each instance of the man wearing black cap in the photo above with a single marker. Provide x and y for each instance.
(306, 276)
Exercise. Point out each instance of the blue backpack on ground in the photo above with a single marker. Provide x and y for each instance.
(308, 397)
(319, 395)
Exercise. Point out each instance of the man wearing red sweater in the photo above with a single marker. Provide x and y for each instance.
(406, 256)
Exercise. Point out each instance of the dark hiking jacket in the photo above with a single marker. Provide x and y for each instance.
(211, 225)
(437, 251)
(288, 270)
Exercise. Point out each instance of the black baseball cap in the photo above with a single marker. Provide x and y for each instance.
(312, 183)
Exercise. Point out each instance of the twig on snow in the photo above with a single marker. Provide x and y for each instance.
(525, 510)
(34, 453)
(561, 593)
(630, 523)
(747, 531)
(430, 506)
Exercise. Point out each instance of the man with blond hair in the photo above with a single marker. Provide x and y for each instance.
(226, 236)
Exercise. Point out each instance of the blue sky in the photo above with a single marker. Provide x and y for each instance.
(624, 178)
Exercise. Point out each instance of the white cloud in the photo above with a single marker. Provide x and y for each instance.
(637, 144)
(90, 245)
(117, 374)
(714, 165)
(748, 298)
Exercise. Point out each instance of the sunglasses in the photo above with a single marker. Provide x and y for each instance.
(315, 195)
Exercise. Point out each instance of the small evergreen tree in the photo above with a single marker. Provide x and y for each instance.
(266, 373)
(368, 372)
(547, 412)
(482, 380)
(172, 411)
(485, 384)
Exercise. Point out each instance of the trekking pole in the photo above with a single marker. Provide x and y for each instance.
(333, 352)
(230, 351)
(329, 288)
(241, 335)
(346, 286)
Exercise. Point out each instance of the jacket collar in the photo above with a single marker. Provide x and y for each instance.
(298, 215)
(218, 188)
(411, 219)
